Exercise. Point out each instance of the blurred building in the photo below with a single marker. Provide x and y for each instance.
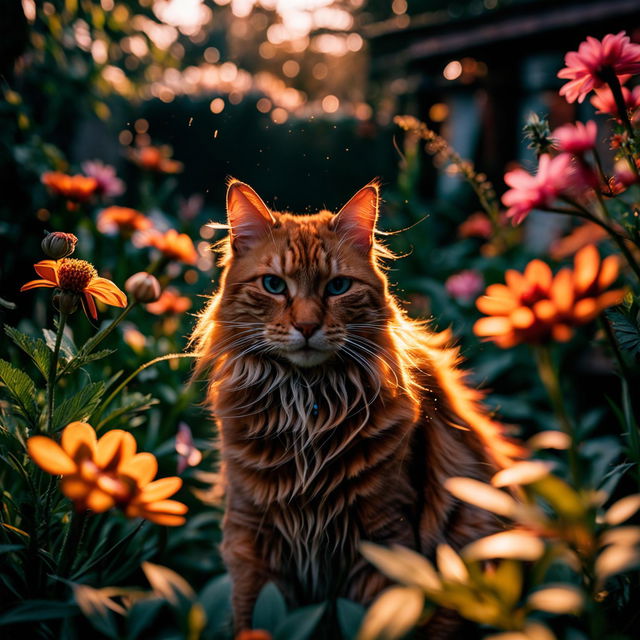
(474, 70)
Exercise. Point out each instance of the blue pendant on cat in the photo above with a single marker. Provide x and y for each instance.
(314, 409)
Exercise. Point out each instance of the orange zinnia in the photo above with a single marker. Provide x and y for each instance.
(170, 302)
(100, 474)
(535, 306)
(123, 220)
(155, 159)
(78, 277)
(76, 189)
(173, 245)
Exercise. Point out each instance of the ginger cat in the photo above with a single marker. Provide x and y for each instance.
(340, 417)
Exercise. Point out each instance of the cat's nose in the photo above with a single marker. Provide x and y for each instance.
(307, 329)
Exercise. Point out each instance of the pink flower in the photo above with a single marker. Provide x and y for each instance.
(587, 67)
(188, 455)
(624, 174)
(109, 184)
(605, 103)
(576, 138)
(464, 286)
(529, 192)
(477, 225)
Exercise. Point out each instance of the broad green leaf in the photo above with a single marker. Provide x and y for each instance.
(300, 624)
(141, 615)
(270, 608)
(35, 348)
(131, 403)
(394, 613)
(36, 610)
(67, 348)
(79, 406)
(80, 360)
(350, 617)
(22, 389)
(215, 599)
(626, 331)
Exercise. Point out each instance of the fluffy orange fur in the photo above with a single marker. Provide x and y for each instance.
(340, 417)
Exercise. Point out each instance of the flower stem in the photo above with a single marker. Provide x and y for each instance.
(616, 89)
(68, 552)
(93, 342)
(53, 369)
(549, 376)
(131, 376)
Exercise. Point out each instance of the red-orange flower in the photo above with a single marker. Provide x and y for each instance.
(100, 474)
(155, 159)
(78, 277)
(123, 220)
(173, 245)
(536, 306)
(170, 303)
(75, 189)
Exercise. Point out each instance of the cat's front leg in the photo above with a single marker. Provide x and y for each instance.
(246, 567)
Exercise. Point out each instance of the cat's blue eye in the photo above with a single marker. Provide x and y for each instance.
(274, 284)
(338, 286)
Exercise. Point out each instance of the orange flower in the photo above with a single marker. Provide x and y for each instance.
(587, 233)
(80, 278)
(123, 220)
(100, 474)
(170, 303)
(155, 159)
(75, 189)
(173, 245)
(536, 306)
(253, 634)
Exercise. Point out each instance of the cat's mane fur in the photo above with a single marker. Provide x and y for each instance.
(306, 484)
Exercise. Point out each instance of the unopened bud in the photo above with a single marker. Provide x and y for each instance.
(59, 245)
(143, 287)
(66, 301)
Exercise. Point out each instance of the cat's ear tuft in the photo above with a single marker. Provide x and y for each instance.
(357, 219)
(249, 217)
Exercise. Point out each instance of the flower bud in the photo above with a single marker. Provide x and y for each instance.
(59, 245)
(143, 287)
(66, 301)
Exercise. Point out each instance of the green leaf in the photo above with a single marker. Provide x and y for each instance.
(22, 389)
(79, 406)
(35, 348)
(67, 348)
(626, 331)
(350, 617)
(131, 403)
(8, 548)
(142, 614)
(34, 610)
(215, 599)
(80, 360)
(270, 609)
(300, 624)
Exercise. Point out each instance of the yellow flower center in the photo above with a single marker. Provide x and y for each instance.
(75, 275)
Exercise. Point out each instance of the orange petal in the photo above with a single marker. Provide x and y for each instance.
(495, 306)
(99, 501)
(50, 456)
(586, 267)
(561, 332)
(33, 284)
(611, 298)
(562, 290)
(539, 273)
(515, 281)
(585, 310)
(114, 448)
(47, 269)
(608, 272)
(545, 310)
(492, 326)
(507, 340)
(499, 291)
(142, 468)
(166, 506)
(90, 305)
(160, 489)
(76, 435)
(107, 292)
(164, 519)
(74, 487)
(522, 318)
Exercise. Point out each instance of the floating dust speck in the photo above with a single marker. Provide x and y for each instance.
(190, 121)
(215, 134)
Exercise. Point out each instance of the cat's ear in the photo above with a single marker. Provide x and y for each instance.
(357, 219)
(249, 217)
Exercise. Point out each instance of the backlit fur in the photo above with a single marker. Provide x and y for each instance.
(345, 437)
